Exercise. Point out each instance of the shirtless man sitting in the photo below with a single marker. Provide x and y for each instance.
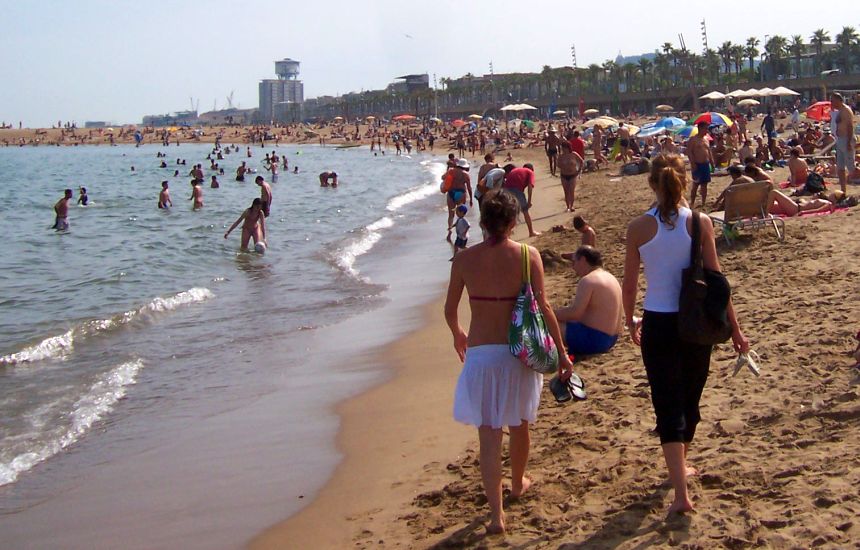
(797, 167)
(736, 172)
(253, 224)
(593, 322)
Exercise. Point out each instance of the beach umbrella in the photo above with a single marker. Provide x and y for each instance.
(370, 117)
(526, 107)
(476, 117)
(603, 122)
(752, 92)
(713, 118)
(512, 107)
(749, 102)
(737, 93)
(765, 92)
(590, 112)
(560, 112)
(664, 108)
(783, 91)
(651, 131)
(687, 131)
(338, 118)
(713, 95)
(819, 111)
(633, 129)
(670, 122)
(458, 123)
(399, 118)
(435, 119)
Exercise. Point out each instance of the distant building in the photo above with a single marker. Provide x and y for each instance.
(179, 118)
(409, 83)
(287, 88)
(95, 124)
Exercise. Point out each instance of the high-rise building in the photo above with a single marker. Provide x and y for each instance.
(281, 98)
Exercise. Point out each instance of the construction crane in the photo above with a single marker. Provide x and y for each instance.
(230, 100)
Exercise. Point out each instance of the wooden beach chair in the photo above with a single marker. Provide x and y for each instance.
(746, 207)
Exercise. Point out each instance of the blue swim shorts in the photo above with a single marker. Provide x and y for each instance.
(584, 340)
(702, 173)
(455, 195)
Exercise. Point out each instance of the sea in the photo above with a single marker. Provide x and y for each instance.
(160, 388)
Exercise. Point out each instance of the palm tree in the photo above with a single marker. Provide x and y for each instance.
(738, 57)
(610, 68)
(847, 41)
(661, 68)
(796, 48)
(725, 53)
(776, 48)
(644, 67)
(751, 50)
(629, 69)
(818, 38)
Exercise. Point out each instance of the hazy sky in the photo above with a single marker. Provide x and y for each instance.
(118, 60)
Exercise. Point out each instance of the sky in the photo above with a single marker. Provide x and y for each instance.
(117, 60)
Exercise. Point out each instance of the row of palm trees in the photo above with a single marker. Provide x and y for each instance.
(669, 67)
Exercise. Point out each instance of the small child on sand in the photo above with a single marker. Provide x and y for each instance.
(461, 226)
(589, 238)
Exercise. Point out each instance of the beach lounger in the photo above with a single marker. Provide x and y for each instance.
(746, 207)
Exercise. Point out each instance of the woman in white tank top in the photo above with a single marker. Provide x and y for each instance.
(677, 370)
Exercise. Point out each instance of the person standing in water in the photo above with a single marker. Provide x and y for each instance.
(265, 195)
(164, 196)
(83, 199)
(196, 194)
(253, 225)
(61, 210)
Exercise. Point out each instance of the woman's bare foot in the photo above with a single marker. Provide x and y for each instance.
(496, 527)
(517, 492)
(692, 472)
(681, 507)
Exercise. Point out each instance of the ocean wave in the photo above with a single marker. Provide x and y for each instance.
(436, 169)
(92, 406)
(57, 347)
(345, 256)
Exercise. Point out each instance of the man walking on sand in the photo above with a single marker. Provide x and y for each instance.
(551, 142)
(265, 195)
(570, 165)
(842, 122)
(701, 162)
(519, 182)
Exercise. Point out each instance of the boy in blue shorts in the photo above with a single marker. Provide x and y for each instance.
(461, 226)
(701, 162)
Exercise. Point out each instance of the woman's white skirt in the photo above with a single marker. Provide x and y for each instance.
(495, 389)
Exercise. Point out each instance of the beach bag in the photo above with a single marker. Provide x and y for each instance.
(528, 336)
(447, 181)
(702, 309)
(814, 183)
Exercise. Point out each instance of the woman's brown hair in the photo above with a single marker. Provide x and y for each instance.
(499, 210)
(668, 179)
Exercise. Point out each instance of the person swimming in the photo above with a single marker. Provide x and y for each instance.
(83, 199)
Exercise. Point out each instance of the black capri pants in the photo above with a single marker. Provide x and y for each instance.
(677, 372)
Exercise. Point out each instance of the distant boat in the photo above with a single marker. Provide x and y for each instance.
(348, 145)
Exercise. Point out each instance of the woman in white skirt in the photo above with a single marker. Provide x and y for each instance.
(494, 388)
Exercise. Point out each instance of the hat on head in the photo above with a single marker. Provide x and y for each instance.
(463, 208)
(463, 163)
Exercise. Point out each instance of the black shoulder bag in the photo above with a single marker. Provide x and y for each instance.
(702, 312)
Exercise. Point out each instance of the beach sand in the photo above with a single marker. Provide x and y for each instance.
(777, 455)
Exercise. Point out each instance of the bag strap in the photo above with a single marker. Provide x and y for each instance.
(696, 241)
(527, 270)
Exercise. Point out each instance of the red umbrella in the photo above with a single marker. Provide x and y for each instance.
(458, 122)
(819, 111)
(403, 117)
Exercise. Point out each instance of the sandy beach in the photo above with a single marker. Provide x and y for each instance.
(777, 455)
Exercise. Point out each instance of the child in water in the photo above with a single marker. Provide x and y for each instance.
(83, 200)
(461, 226)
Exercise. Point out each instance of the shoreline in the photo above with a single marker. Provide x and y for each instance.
(387, 464)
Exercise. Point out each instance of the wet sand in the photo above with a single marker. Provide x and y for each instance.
(777, 455)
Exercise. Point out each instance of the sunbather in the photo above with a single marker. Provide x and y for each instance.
(798, 169)
(781, 204)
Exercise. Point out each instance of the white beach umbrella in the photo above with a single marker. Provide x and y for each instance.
(752, 92)
(783, 91)
(765, 92)
(526, 107)
(737, 93)
(713, 95)
(560, 112)
(748, 102)
(512, 107)
(664, 108)
(589, 112)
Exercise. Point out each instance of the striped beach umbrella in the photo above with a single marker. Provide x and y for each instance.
(713, 118)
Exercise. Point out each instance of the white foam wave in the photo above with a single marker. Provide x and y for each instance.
(436, 169)
(63, 344)
(55, 346)
(96, 402)
(347, 255)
